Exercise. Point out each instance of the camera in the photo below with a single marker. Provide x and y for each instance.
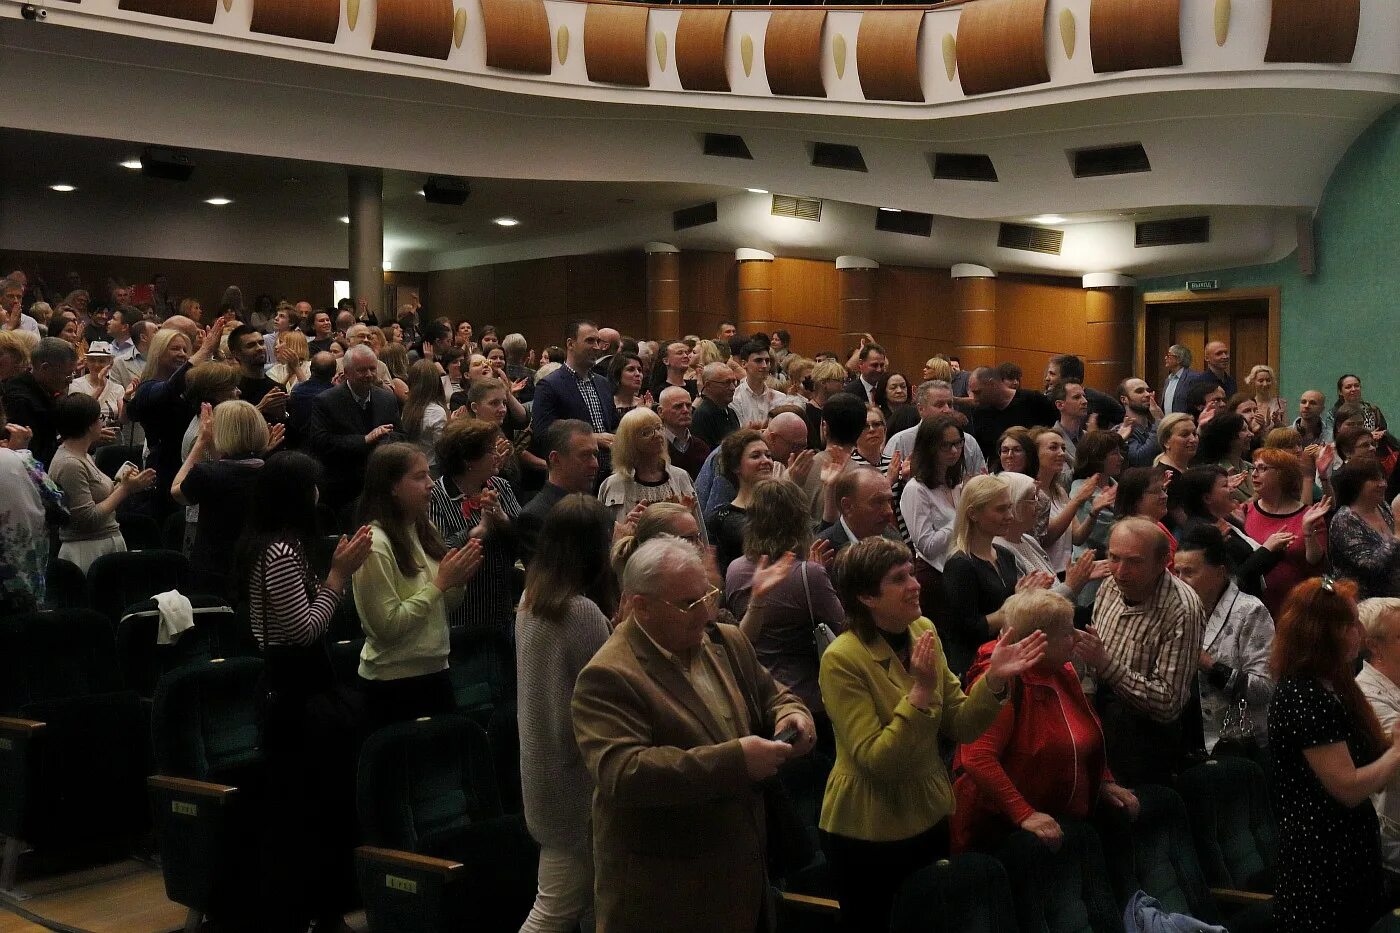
(33, 13)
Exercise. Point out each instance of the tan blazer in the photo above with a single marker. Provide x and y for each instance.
(678, 828)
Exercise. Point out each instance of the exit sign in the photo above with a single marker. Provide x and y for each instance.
(1202, 285)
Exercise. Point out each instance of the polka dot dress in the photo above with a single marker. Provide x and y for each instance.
(1329, 867)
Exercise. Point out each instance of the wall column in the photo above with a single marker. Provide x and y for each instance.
(1108, 330)
(855, 282)
(755, 290)
(366, 199)
(663, 292)
(975, 315)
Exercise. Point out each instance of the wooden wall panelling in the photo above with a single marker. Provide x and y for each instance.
(1037, 316)
(517, 35)
(805, 291)
(1001, 45)
(414, 27)
(916, 302)
(309, 20)
(792, 52)
(1129, 34)
(615, 43)
(709, 286)
(1322, 31)
(700, 53)
(609, 288)
(198, 11)
(887, 54)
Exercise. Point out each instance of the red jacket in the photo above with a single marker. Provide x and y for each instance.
(1044, 753)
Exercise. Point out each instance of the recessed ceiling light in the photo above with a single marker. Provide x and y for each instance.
(217, 202)
(891, 210)
(1048, 219)
(756, 190)
(505, 222)
(133, 164)
(64, 188)
(345, 220)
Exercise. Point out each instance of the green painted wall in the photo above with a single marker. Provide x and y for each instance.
(1346, 318)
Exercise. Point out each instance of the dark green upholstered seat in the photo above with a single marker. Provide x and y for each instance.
(1233, 825)
(968, 893)
(1156, 853)
(1066, 891)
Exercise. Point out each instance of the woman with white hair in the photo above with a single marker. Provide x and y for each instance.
(1263, 385)
(642, 470)
(1019, 538)
(1379, 681)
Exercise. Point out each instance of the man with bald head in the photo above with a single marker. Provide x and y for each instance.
(865, 506)
(1000, 407)
(612, 342)
(1144, 648)
(714, 420)
(184, 325)
(686, 450)
(1311, 424)
(1217, 356)
(786, 437)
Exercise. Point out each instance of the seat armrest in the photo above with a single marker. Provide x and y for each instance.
(1240, 898)
(410, 861)
(188, 787)
(22, 727)
(823, 905)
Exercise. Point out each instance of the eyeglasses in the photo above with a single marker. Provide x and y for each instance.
(1010, 451)
(648, 432)
(1259, 468)
(709, 601)
(874, 425)
(949, 445)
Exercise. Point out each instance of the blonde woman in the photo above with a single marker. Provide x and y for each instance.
(293, 360)
(1262, 383)
(1057, 508)
(706, 352)
(642, 470)
(395, 360)
(158, 402)
(425, 410)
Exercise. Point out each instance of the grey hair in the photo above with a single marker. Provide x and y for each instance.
(53, 350)
(515, 344)
(8, 283)
(360, 350)
(712, 370)
(1372, 611)
(1182, 353)
(644, 574)
(671, 391)
(926, 389)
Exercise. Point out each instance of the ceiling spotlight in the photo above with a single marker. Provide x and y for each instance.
(217, 202)
(891, 210)
(506, 222)
(1048, 219)
(64, 188)
(756, 190)
(133, 164)
(345, 220)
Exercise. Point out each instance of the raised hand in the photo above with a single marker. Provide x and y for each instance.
(799, 466)
(17, 437)
(458, 565)
(350, 553)
(1316, 517)
(1080, 572)
(1324, 460)
(837, 458)
(1035, 580)
(923, 662)
(894, 471)
(822, 553)
(1278, 541)
(628, 525)
(1010, 660)
(1154, 408)
(276, 434)
(206, 424)
(768, 575)
(1091, 423)
(1089, 648)
(1105, 499)
(377, 433)
(518, 385)
(1236, 480)
(139, 482)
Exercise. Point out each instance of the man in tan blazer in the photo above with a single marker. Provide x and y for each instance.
(672, 716)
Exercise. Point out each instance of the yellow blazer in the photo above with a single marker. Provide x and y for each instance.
(889, 782)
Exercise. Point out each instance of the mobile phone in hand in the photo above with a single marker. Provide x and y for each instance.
(788, 735)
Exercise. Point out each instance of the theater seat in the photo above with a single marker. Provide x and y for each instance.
(968, 893)
(140, 532)
(67, 586)
(73, 742)
(1233, 825)
(440, 853)
(217, 633)
(1065, 891)
(482, 667)
(115, 581)
(1157, 854)
(209, 790)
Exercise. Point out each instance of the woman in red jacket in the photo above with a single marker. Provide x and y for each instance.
(1043, 757)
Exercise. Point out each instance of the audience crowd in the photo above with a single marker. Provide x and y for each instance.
(983, 607)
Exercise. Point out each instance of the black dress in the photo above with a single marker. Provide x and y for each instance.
(726, 528)
(1329, 862)
(972, 589)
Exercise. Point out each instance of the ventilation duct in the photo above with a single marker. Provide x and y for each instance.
(1173, 232)
(960, 166)
(1110, 160)
(913, 223)
(444, 189)
(726, 146)
(837, 155)
(1031, 239)
(798, 208)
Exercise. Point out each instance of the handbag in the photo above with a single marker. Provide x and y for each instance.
(822, 635)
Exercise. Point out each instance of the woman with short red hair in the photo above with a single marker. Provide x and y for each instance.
(1278, 506)
(1330, 756)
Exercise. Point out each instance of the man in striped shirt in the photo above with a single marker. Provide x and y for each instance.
(1144, 647)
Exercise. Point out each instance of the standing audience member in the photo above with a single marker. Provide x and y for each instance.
(31, 398)
(1311, 422)
(570, 594)
(1073, 407)
(753, 399)
(1056, 508)
(670, 370)
(642, 472)
(1225, 441)
(828, 378)
(1279, 507)
(625, 378)
(1235, 681)
(1262, 384)
(309, 727)
(218, 475)
(745, 461)
(1361, 538)
(470, 502)
(869, 366)
(293, 364)
(27, 495)
(404, 590)
(1144, 647)
(575, 391)
(865, 506)
(713, 419)
(1103, 454)
(1031, 557)
(893, 396)
(159, 404)
(246, 347)
(516, 347)
(303, 396)
(684, 448)
(1177, 363)
(1372, 418)
(785, 436)
(1068, 369)
(349, 422)
(1140, 418)
(781, 622)
(1043, 757)
(1204, 495)
(1379, 681)
(673, 717)
(92, 499)
(998, 408)
(424, 412)
(1329, 756)
(572, 449)
(891, 697)
(934, 398)
(929, 503)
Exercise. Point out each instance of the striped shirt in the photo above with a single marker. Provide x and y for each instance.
(287, 607)
(488, 601)
(1154, 647)
(590, 398)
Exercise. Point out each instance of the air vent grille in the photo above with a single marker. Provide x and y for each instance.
(913, 223)
(1173, 232)
(1110, 160)
(688, 217)
(962, 166)
(800, 208)
(1032, 239)
(726, 146)
(838, 155)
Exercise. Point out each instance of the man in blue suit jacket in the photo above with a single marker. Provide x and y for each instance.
(575, 391)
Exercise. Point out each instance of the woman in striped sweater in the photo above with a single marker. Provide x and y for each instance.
(310, 724)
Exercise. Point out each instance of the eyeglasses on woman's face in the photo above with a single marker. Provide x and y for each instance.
(1011, 450)
(875, 425)
(648, 432)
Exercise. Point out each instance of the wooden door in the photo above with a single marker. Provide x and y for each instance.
(1242, 324)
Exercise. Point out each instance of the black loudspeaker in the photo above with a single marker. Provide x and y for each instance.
(171, 164)
(1307, 249)
(443, 189)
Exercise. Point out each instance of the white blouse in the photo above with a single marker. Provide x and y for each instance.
(929, 514)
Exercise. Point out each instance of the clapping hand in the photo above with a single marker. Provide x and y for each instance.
(276, 434)
(17, 437)
(767, 575)
(1324, 460)
(1236, 479)
(1035, 580)
(206, 425)
(458, 566)
(628, 525)
(837, 458)
(1080, 571)
(1316, 516)
(1278, 541)
(1089, 648)
(1013, 659)
(1105, 499)
(799, 466)
(822, 553)
(378, 432)
(350, 553)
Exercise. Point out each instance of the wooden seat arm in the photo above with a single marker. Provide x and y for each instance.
(411, 861)
(808, 902)
(25, 727)
(1240, 898)
(219, 792)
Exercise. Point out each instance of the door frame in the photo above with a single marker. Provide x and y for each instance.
(1272, 294)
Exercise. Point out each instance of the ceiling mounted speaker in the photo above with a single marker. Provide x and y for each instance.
(444, 189)
(170, 164)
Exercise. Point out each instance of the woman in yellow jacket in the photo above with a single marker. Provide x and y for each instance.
(890, 695)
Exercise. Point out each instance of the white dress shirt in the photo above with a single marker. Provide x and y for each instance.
(753, 406)
(928, 514)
